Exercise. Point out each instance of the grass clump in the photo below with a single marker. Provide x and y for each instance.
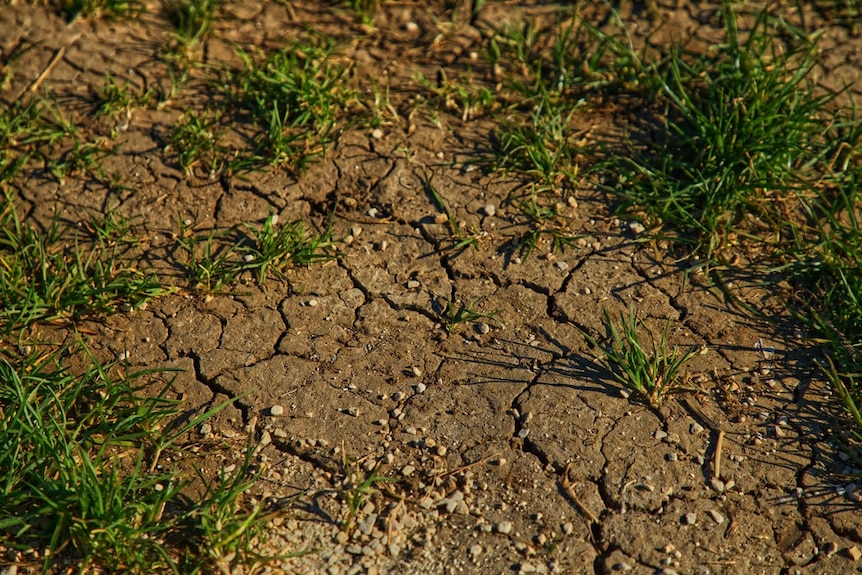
(78, 479)
(47, 276)
(746, 134)
(654, 372)
(295, 96)
(214, 261)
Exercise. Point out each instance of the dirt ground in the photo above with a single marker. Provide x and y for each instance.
(516, 451)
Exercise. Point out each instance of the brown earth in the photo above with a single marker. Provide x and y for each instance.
(517, 451)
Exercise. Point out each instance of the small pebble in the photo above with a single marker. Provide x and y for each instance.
(504, 527)
(671, 457)
(372, 212)
(265, 438)
(276, 410)
(695, 428)
(568, 528)
(490, 210)
(397, 396)
(411, 27)
(715, 516)
(377, 133)
(717, 485)
(416, 371)
(475, 550)
(206, 429)
(483, 327)
(621, 566)
(248, 258)
(689, 519)
(854, 553)
(523, 433)
(421, 387)
(408, 470)
(413, 284)
(561, 266)
(636, 227)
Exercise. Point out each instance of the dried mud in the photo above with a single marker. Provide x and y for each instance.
(516, 450)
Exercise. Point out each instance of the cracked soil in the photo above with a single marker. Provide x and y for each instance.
(514, 448)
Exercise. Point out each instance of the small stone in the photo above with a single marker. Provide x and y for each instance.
(636, 227)
(659, 434)
(625, 394)
(503, 527)
(416, 371)
(717, 485)
(205, 429)
(523, 433)
(490, 210)
(276, 410)
(671, 457)
(475, 550)
(561, 266)
(411, 27)
(568, 528)
(421, 387)
(699, 459)
(397, 396)
(695, 428)
(483, 327)
(265, 438)
(688, 519)
(408, 470)
(715, 516)
(376, 133)
(854, 553)
(413, 284)
(621, 566)
(248, 258)
(372, 212)
(442, 450)
(829, 549)
(352, 411)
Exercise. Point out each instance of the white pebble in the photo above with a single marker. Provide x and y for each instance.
(689, 519)
(276, 410)
(715, 516)
(504, 527)
(490, 210)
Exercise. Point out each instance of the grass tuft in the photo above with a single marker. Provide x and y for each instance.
(651, 372)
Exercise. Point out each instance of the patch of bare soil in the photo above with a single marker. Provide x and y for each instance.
(514, 449)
